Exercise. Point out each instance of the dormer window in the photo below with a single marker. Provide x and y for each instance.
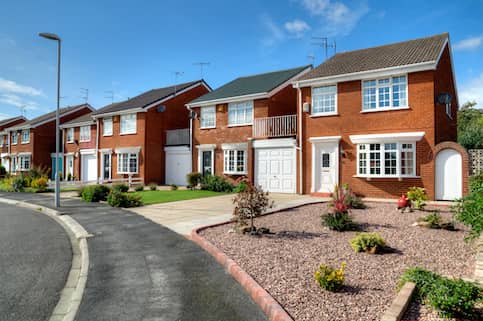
(384, 93)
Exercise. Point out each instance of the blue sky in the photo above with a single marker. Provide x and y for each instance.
(129, 47)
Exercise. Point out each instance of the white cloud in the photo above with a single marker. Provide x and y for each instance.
(469, 43)
(274, 33)
(472, 90)
(338, 18)
(9, 86)
(297, 27)
(17, 101)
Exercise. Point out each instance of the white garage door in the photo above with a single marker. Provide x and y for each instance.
(178, 165)
(88, 167)
(448, 174)
(275, 169)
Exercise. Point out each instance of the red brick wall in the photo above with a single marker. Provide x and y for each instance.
(76, 146)
(350, 121)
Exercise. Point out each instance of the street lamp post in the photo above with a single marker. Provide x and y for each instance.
(54, 37)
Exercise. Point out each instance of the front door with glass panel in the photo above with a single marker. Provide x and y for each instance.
(326, 165)
(207, 162)
(69, 167)
(106, 166)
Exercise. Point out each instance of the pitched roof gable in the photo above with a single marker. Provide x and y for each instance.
(79, 120)
(5, 122)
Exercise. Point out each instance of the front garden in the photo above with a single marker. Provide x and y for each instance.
(317, 260)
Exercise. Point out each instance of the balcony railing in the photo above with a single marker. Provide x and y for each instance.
(178, 137)
(278, 126)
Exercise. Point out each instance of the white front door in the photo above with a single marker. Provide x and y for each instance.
(448, 175)
(106, 166)
(325, 166)
(88, 167)
(275, 169)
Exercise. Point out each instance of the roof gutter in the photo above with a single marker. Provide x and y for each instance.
(120, 112)
(229, 99)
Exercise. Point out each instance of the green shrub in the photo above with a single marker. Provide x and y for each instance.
(329, 278)
(153, 186)
(139, 188)
(476, 183)
(469, 211)
(39, 171)
(95, 193)
(250, 203)
(122, 199)
(18, 184)
(193, 179)
(368, 242)
(123, 188)
(352, 200)
(241, 187)
(40, 183)
(339, 221)
(216, 184)
(418, 197)
(451, 297)
(433, 219)
(6, 185)
(174, 187)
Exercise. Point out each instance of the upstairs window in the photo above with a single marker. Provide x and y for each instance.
(324, 100)
(128, 124)
(70, 135)
(107, 126)
(240, 113)
(385, 93)
(85, 133)
(25, 136)
(207, 117)
(14, 138)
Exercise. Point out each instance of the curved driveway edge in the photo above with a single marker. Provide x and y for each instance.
(267, 303)
(71, 296)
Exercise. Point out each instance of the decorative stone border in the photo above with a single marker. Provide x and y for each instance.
(71, 296)
(396, 311)
(267, 303)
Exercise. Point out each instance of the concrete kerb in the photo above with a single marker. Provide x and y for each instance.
(71, 296)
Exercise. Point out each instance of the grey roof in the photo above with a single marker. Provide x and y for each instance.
(50, 116)
(146, 98)
(391, 55)
(255, 84)
(82, 119)
(5, 122)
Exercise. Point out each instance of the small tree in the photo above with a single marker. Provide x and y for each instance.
(470, 126)
(250, 203)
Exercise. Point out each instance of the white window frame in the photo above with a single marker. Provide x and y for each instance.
(21, 162)
(382, 160)
(14, 164)
(23, 140)
(104, 154)
(240, 105)
(314, 96)
(14, 137)
(70, 135)
(104, 132)
(129, 156)
(123, 119)
(203, 111)
(391, 98)
(226, 160)
(86, 136)
(68, 158)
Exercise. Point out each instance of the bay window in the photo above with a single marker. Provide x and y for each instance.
(85, 133)
(127, 163)
(384, 93)
(128, 124)
(207, 117)
(324, 100)
(235, 161)
(240, 113)
(391, 159)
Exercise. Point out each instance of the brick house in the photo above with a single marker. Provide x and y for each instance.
(247, 127)
(139, 136)
(378, 118)
(79, 142)
(4, 142)
(32, 143)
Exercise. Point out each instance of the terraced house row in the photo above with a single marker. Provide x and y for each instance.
(381, 119)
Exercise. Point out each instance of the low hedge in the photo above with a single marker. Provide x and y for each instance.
(94, 193)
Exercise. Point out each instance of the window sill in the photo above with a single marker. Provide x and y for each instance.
(235, 173)
(399, 178)
(72, 142)
(323, 115)
(106, 135)
(240, 125)
(122, 134)
(208, 127)
(25, 143)
(126, 173)
(84, 141)
(375, 110)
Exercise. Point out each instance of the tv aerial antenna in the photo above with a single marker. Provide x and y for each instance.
(311, 57)
(110, 95)
(325, 44)
(23, 110)
(85, 94)
(201, 64)
(177, 74)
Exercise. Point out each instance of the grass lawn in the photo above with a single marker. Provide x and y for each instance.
(154, 197)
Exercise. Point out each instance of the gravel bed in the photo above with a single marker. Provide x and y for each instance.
(284, 263)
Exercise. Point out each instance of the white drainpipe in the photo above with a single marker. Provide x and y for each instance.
(301, 180)
(97, 150)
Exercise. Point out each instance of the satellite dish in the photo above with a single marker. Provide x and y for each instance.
(161, 109)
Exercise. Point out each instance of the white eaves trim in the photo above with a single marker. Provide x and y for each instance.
(387, 138)
(121, 112)
(85, 123)
(274, 143)
(128, 150)
(229, 100)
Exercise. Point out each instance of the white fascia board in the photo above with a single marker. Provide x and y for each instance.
(85, 123)
(387, 138)
(275, 143)
(130, 150)
(87, 151)
(325, 139)
(121, 112)
(288, 82)
(370, 74)
(62, 115)
(228, 100)
(17, 128)
(237, 146)
(156, 103)
(206, 146)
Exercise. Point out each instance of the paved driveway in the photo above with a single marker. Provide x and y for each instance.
(184, 216)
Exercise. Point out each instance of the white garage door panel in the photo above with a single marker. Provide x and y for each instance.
(178, 165)
(275, 169)
(89, 167)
